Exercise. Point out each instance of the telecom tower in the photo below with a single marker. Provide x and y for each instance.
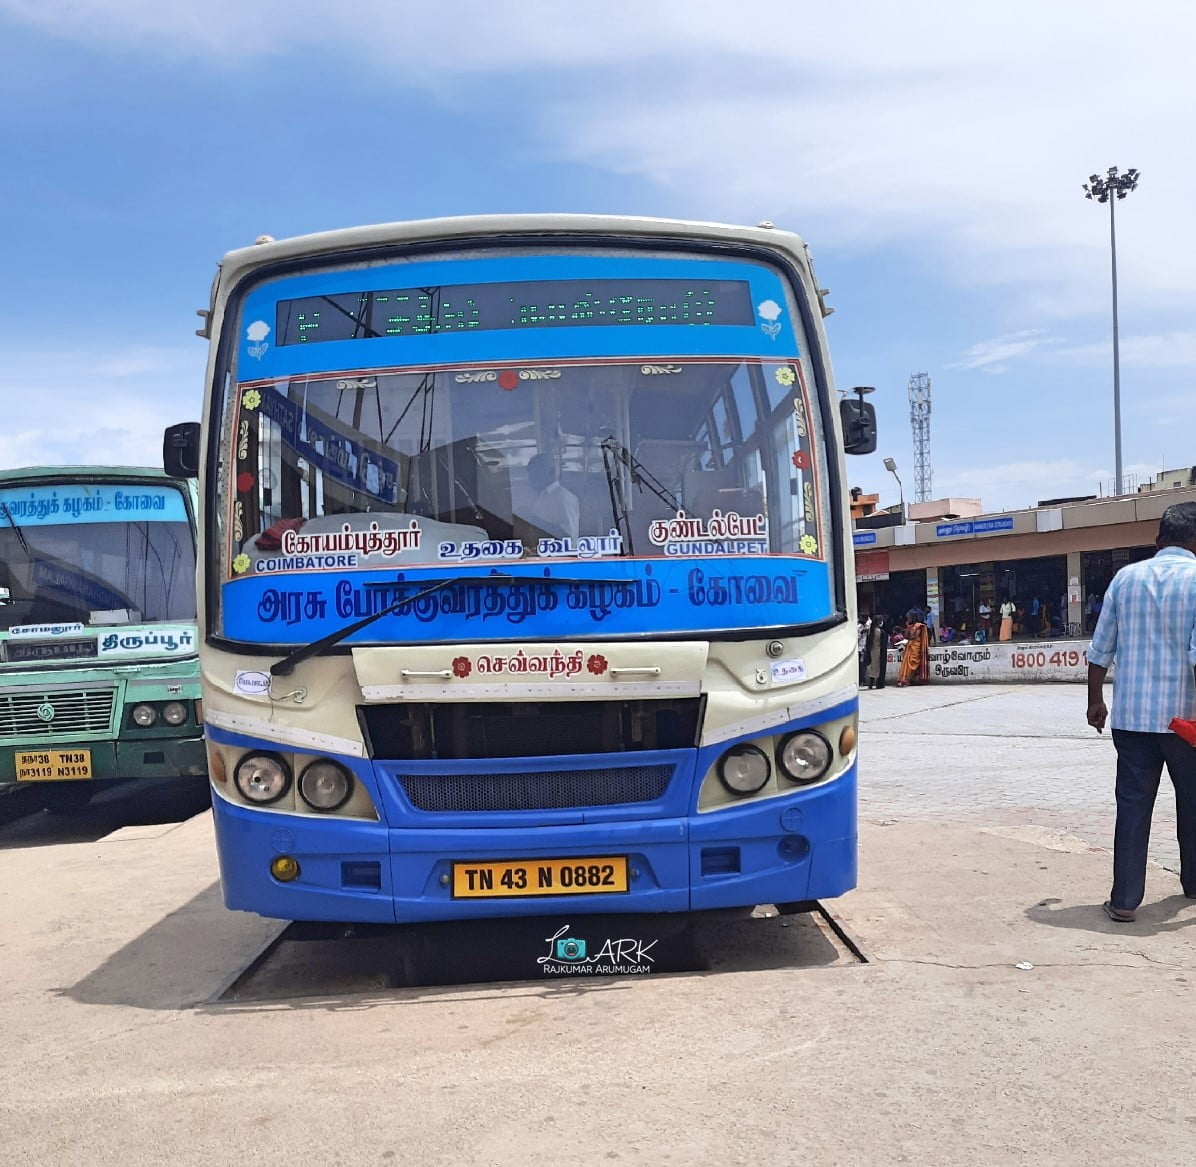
(919, 420)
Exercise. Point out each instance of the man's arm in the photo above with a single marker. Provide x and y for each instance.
(1100, 656)
(1098, 713)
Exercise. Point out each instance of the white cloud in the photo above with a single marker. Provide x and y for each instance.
(1021, 484)
(106, 407)
(960, 132)
(1164, 350)
(991, 355)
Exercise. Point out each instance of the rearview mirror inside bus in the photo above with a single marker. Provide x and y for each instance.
(859, 425)
(180, 450)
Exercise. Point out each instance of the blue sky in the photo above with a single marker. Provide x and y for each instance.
(931, 153)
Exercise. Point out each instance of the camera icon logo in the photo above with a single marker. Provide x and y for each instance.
(570, 948)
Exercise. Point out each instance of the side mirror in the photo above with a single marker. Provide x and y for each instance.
(859, 425)
(180, 450)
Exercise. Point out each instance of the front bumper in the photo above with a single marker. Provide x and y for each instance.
(121, 760)
(800, 846)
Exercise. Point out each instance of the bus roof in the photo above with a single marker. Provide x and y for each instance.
(244, 259)
(87, 472)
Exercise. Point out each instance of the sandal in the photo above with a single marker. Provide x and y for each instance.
(1117, 915)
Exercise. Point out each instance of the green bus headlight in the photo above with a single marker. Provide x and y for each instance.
(175, 713)
(144, 715)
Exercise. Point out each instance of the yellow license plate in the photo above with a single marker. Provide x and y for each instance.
(540, 877)
(53, 765)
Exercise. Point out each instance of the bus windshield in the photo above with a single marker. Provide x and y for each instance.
(592, 425)
(95, 555)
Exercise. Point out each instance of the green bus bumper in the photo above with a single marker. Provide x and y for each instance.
(120, 761)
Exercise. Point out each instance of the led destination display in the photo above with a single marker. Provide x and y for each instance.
(531, 304)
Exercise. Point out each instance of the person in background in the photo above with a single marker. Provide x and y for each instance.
(1147, 625)
(1007, 610)
(915, 661)
(876, 653)
(862, 646)
(985, 614)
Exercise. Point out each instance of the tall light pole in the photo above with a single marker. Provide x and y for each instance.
(1112, 189)
(891, 467)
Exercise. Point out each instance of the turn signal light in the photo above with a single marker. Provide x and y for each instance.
(847, 740)
(284, 868)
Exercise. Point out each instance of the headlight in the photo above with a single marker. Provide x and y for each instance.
(262, 778)
(175, 713)
(805, 756)
(325, 786)
(744, 769)
(144, 715)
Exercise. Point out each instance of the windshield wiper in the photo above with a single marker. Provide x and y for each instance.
(20, 534)
(286, 666)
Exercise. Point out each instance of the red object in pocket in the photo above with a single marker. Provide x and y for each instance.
(1185, 729)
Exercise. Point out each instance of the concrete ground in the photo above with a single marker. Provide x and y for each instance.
(984, 820)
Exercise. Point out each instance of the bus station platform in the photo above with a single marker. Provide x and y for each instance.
(996, 1014)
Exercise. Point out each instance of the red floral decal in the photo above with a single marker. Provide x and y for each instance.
(244, 482)
(508, 379)
(597, 664)
(801, 460)
(461, 666)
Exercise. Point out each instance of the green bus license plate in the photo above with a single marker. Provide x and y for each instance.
(53, 765)
(540, 877)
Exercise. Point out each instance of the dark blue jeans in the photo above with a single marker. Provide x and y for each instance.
(1140, 760)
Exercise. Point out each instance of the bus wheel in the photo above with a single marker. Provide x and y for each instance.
(66, 799)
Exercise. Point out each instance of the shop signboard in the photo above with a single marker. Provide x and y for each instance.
(973, 527)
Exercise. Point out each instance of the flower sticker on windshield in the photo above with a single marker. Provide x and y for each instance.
(809, 545)
(252, 399)
(785, 375)
(241, 563)
(256, 334)
(770, 315)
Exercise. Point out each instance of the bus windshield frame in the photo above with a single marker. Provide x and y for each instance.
(85, 562)
(675, 452)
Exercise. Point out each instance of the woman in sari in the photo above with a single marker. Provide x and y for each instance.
(1007, 611)
(876, 653)
(915, 662)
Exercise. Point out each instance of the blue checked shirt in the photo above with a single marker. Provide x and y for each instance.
(1148, 627)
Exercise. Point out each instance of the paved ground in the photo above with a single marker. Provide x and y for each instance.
(996, 755)
(1001, 1019)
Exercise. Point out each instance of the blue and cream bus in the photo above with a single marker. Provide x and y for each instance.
(525, 577)
(99, 667)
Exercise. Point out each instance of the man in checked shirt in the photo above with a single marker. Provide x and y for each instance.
(1148, 626)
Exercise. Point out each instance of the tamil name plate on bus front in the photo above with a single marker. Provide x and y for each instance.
(53, 765)
(539, 877)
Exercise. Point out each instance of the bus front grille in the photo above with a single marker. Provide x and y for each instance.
(536, 790)
(55, 713)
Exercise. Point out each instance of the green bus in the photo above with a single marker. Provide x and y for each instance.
(99, 672)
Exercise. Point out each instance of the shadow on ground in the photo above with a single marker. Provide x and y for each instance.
(1152, 919)
(23, 823)
(203, 954)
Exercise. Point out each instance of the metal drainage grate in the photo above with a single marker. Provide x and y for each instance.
(536, 790)
(55, 713)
